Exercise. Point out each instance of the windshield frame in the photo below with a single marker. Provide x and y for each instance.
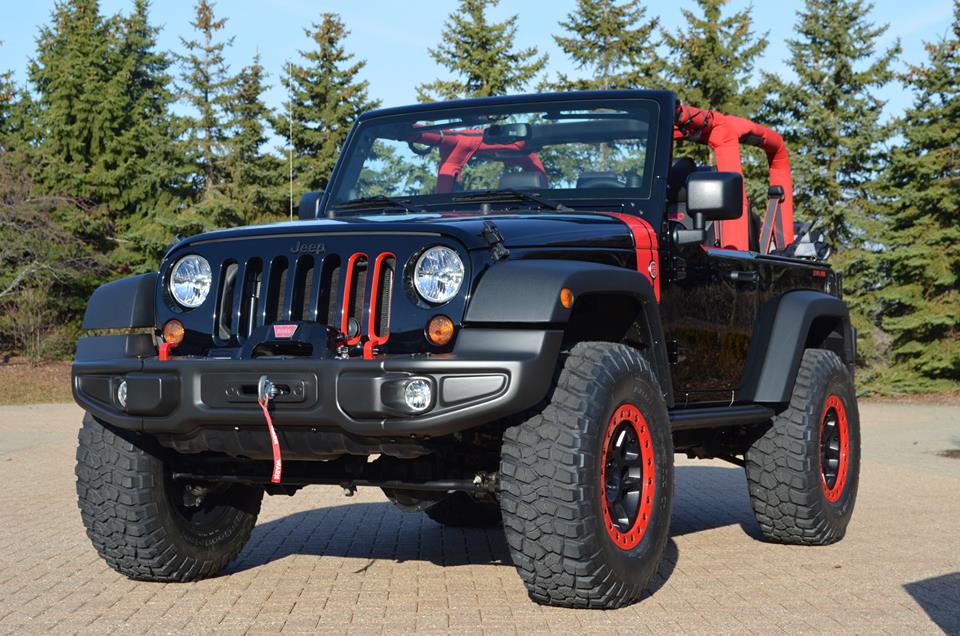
(630, 200)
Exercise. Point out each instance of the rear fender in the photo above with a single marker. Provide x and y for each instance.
(786, 326)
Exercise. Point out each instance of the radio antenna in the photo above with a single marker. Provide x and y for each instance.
(290, 136)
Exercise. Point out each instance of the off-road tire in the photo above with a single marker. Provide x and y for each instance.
(552, 497)
(126, 504)
(463, 511)
(789, 495)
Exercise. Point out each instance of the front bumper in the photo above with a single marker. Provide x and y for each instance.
(492, 373)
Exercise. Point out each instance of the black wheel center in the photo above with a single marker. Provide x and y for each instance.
(830, 447)
(623, 474)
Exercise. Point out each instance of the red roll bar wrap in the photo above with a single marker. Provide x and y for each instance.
(458, 148)
(724, 134)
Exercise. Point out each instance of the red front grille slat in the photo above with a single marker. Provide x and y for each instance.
(254, 292)
(381, 284)
(350, 292)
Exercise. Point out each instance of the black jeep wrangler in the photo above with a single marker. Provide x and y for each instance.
(508, 310)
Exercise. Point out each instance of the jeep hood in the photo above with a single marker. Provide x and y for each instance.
(581, 229)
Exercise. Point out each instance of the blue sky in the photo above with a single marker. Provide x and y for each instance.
(394, 36)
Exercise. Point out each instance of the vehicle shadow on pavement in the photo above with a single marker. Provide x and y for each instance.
(706, 498)
(939, 597)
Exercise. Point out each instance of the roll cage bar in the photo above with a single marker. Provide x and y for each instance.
(723, 133)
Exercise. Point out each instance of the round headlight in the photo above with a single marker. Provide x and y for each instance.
(190, 281)
(438, 274)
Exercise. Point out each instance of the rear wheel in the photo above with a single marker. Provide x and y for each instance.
(587, 485)
(149, 527)
(803, 473)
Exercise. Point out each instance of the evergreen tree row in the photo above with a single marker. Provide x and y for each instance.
(94, 146)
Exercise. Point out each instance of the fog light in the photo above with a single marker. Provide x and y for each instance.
(173, 332)
(122, 394)
(418, 394)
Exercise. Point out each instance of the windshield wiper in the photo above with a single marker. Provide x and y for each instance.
(378, 201)
(516, 195)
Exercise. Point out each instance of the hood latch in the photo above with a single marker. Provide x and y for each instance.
(494, 239)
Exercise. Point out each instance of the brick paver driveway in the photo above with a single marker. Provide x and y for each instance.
(323, 563)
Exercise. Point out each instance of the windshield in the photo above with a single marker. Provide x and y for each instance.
(552, 155)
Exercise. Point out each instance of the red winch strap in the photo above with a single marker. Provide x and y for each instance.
(274, 441)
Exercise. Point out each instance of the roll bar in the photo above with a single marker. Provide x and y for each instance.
(724, 134)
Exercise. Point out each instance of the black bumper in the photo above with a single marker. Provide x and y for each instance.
(491, 374)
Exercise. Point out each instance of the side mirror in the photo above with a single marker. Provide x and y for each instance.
(714, 196)
(310, 205)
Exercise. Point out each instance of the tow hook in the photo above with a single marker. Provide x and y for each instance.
(266, 390)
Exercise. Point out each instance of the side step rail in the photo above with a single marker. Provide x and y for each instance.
(718, 416)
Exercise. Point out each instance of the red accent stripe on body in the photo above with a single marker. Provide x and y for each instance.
(646, 245)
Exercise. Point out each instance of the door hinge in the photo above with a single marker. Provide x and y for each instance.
(676, 351)
(678, 268)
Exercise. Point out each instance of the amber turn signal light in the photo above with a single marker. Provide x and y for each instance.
(440, 330)
(566, 298)
(173, 332)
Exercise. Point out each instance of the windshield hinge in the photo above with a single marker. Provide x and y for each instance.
(494, 239)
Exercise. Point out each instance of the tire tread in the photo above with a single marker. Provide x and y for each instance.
(117, 496)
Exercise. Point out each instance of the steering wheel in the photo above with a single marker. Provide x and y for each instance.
(603, 182)
(424, 149)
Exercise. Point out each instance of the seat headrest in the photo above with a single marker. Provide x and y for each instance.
(526, 180)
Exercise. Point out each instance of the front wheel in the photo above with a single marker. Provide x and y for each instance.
(149, 527)
(587, 484)
(803, 472)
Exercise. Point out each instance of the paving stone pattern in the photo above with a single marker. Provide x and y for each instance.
(321, 563)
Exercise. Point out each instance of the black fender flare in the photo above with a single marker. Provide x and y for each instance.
(785, 327)
(127, 303)
(528, 292)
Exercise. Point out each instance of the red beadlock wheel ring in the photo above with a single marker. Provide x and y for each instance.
(834, 448)
(627, 473)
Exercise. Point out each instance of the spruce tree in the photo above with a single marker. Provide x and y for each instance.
(253, 182)
(920, 260)
(830, 115)
(16, 135)
(613, 44)
(8, 92)
(156, 177)
(206, 87)
(103, 127)
(711, 59)
(709, 65)
(69, 77)
(480, 55)
(831, 118)
(325, 97)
